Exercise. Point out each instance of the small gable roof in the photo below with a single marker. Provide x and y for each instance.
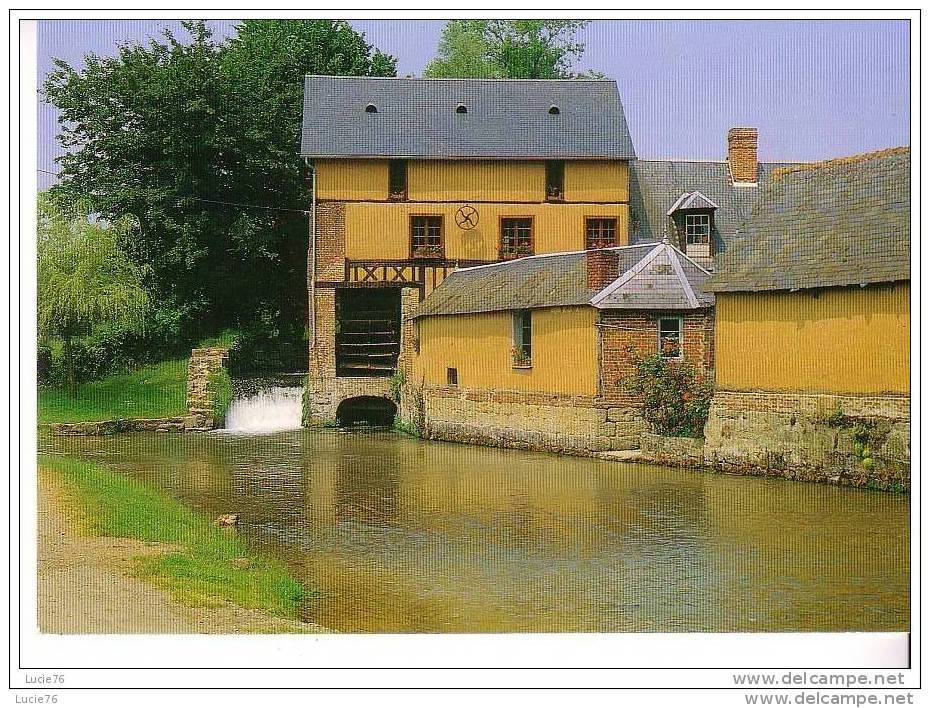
(834, 223)
(649, 276)
(504, 118)
(692, 200)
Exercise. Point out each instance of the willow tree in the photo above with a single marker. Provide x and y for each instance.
(84, 278)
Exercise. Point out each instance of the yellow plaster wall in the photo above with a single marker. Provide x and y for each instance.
(837, 340)
(564, 350)
(597, 181)
(352, 179)
(514, 180)
(378, 230)
(484, 180)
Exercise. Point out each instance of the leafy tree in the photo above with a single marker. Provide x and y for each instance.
(182, 135)
(514, 49)
(84, 279)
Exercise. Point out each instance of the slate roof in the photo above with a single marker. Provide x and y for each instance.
(506, 119)
(648, 278)
(656, 185)
(839, 222)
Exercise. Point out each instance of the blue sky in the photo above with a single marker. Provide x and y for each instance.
(815, 89)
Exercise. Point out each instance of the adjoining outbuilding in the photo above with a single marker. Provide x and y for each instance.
(536, 352)
(813, 326)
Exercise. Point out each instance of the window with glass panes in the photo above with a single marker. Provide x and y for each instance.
(516, 236)
(670, 337)
(426, 236)
(600, 233)
(697, 228)
(522, 338)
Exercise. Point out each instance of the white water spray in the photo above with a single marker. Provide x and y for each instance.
(267, 411)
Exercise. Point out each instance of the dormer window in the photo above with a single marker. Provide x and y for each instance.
(554, 110)
(371, 108)
(461, 108)
(693, 224)
(697, 230)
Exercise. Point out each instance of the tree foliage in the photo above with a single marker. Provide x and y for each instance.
(84, 278)
(182, 134)
(512, 49)
(674, 400)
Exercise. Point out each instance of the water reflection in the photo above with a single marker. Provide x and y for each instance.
(402, 535)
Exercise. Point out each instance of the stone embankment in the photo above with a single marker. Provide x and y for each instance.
(111, 427)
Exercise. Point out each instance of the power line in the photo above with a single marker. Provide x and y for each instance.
(305, 212)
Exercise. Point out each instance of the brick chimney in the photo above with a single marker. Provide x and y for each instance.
(603, 267)
(742, 144)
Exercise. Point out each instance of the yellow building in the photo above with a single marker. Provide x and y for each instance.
(537, 352)
(813, 323)
(414, 178)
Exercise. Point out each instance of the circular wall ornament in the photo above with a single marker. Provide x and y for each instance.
(466, 217)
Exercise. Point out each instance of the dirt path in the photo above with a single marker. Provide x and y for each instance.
(85, 586)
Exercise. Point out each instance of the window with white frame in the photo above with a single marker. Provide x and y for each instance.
(697, 229)
(670, 337)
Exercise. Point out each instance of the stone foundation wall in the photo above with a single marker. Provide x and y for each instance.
(203, 362)
(538, 421)
(667, 450)
(851, 440)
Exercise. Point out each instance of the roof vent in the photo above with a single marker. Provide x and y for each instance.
(554, 110)
(461, 108)
(371, 108)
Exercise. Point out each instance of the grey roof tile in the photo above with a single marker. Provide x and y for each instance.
(416, 118)
(657, 185)
(559, 280)
(840, 222)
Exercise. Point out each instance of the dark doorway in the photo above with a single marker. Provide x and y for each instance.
(366, 410)
(367, 331)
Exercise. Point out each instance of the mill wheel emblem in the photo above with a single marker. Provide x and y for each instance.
(466, 217)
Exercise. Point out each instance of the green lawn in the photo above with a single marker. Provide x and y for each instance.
(211, 565)
(157, 391)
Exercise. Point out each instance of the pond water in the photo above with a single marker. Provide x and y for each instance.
(405, 535)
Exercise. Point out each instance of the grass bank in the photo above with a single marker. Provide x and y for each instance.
(205, 566)
(157, 391)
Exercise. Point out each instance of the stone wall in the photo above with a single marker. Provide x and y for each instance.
(111, 427)
(538, 421)
(203, 362)
(668, 450)
(851, 440)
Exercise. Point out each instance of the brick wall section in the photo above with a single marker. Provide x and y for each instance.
(602, 268)
(330, 241)
(742, 147)
(816, 404)
(638, 332)
(325, 391)
(203, 362)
